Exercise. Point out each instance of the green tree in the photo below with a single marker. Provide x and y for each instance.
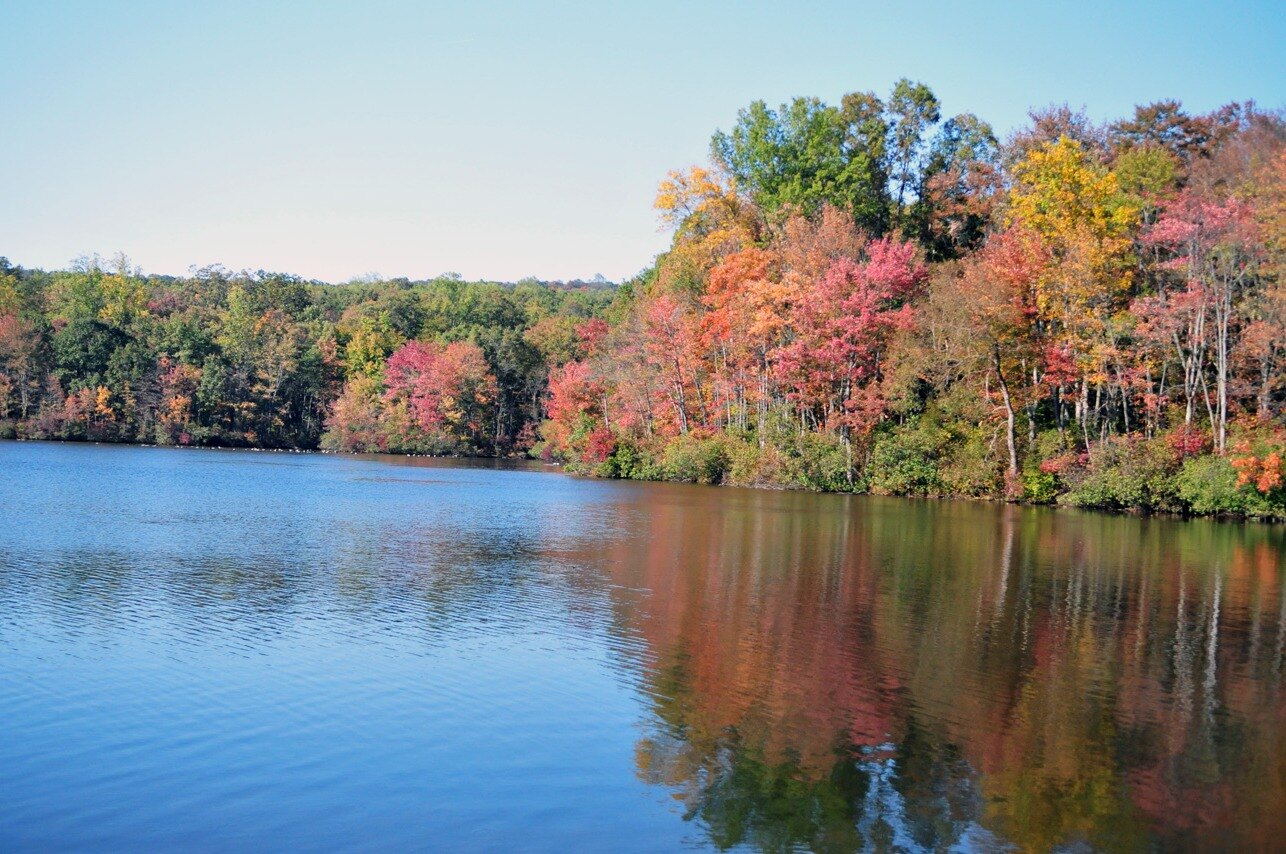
(807, 154)
(912, 110)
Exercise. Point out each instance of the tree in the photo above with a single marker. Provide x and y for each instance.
(356, 419)
(1051, 124)
(843, 324)
(912, 109)
(1164, 125)
(1265, 336)
(744, 321)
(178, 385)
(19, 341)
(961, 188)
(806, 154)
(370, 341)
(1214, 246)
(439, 396)
(709, 221)
(1076, 208)
(671, 346)
(998, 287)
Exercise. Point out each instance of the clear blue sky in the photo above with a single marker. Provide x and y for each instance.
(501, 140)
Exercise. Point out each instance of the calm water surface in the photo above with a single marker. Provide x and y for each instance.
(212, 650)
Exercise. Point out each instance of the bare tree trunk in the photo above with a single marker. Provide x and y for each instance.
(1261, 407)
(1009, 415)
(1083, 407)
(23, 401)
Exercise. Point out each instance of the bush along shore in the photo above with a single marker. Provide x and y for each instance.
(867, 296)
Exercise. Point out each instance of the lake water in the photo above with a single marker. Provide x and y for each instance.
(212, 650)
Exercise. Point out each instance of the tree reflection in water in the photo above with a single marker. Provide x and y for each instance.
(839, 674)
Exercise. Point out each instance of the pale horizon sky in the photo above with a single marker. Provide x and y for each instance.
(502, 140)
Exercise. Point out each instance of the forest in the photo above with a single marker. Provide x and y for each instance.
(866, 296)
(100, 352)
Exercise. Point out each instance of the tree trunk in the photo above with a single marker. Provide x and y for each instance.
(1010, 439)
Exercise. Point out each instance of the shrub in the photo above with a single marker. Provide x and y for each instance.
(750, 464)
(691, 458)
(904, 461)
(1188, 440)
(745, 463)
(1258, 453)
(633, 462)
(1052, 467)
(1050, 443)
(1040, 486)
(1208, 485)
(820, 461)
(970, 466)
(1128, 474)
(600, 444)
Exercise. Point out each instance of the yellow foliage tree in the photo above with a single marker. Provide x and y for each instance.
(1080, 212)
(10, 298)
(710, 222)
(124, 299)
(1086, 221)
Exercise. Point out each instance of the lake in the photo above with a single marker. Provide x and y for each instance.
(213, 650)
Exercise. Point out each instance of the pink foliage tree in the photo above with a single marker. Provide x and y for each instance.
(446, 391)
(1213, 248)
(843, 323)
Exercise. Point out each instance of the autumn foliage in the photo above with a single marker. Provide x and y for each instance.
(1083, 314)
(864, 296)
(104, 353)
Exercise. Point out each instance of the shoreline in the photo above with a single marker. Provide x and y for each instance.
(561, 468)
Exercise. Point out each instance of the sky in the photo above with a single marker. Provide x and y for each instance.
(504, 140)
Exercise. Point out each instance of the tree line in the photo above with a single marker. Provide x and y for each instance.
(101, 352)
(862, 296)
(868, 297)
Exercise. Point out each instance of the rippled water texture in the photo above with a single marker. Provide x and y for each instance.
(215, 650)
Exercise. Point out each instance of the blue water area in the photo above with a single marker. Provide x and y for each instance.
(215, 650)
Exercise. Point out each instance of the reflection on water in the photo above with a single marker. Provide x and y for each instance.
(923, 675)
(210, 649)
